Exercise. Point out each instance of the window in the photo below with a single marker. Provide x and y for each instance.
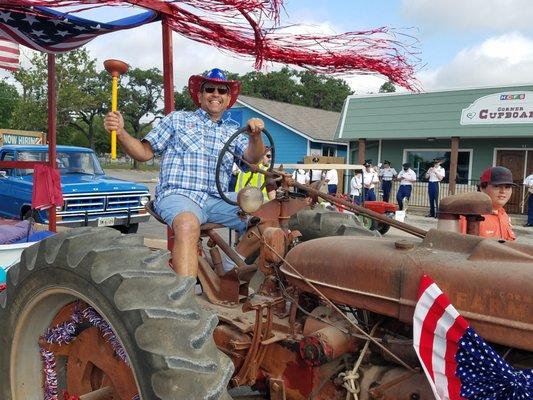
(328, 151)
(8, 157)
(422, 160)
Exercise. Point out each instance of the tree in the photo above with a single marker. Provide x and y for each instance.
(183, 101)
(387, 87)
(321, 91)
(142, 94)
(83, 94)
(9, 99)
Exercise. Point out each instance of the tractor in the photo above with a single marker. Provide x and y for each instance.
(93, 314)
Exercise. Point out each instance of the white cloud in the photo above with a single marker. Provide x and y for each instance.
(499, 15)
(501, 60)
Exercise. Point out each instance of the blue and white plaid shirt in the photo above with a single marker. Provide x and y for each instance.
(190, 143)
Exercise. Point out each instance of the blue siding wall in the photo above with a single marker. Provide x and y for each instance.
(290, 147)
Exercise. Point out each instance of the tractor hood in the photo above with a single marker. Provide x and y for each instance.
(487, 281)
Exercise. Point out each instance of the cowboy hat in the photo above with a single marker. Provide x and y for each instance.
(216, 76)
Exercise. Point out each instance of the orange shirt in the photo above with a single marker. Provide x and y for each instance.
(496, 225)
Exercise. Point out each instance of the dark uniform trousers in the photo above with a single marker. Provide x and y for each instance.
(433, 193)
(386, 186)
(403, 191)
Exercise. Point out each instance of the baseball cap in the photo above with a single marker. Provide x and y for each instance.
(497, 176)
(368, 162)
(406, 165)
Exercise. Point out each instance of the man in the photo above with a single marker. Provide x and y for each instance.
(434, 175)
(528, 183)
(301, 176)
(255, 179)
(497, 183)
(386, 174)
(407, 178)
(370, 179)
(186, 194)
(332, 180)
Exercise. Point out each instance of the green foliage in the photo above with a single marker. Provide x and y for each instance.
(9, 100)
(296, 87)
(183, 101)
(387, 87)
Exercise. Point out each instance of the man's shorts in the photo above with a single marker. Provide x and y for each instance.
(215, 211)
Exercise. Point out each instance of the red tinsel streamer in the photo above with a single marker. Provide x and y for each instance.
(238, 26)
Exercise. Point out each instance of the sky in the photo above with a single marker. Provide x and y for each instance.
(462, 43)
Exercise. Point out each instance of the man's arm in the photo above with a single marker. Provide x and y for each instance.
(256, 147)
(140, 151)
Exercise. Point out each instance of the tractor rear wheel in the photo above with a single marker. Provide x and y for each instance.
(166, 336)
(314, 224)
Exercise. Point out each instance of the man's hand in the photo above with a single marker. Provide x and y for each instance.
(255, 125)
(113, 121)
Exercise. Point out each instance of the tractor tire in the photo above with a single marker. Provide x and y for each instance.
(314, 224)
(152, 311)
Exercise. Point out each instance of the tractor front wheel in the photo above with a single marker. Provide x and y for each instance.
(164, 337)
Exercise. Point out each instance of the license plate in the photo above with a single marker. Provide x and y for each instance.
(106, 221)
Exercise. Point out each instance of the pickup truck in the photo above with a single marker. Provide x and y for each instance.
(91, 198)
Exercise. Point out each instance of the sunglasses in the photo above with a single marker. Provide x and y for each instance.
(268, 156)
(219, 90)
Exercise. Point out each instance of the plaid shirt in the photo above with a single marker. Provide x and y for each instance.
(190, 144)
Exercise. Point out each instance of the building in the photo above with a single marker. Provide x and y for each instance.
(297, 131)
(471, 129)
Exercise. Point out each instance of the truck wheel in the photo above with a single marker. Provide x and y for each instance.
(165, 335)
(314, 224)
(127, 229)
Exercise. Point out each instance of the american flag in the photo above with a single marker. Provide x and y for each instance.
(458, 363)
(9, 55)
(50, 31)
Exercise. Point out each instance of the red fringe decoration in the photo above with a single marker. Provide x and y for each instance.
(238, 26)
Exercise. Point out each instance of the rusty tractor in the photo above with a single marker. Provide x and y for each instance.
(93, 314)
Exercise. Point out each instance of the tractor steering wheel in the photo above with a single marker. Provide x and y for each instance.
(226, 149)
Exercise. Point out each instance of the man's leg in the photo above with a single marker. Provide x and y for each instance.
(186, 229)
(371, 195)
(399, 197)
(530, 209)
(386, 186)
(431, 195)
(184, 216)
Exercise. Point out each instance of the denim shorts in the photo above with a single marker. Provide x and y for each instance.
(215, 211)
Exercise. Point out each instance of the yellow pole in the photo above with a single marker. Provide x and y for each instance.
(115, 69)
(114, 107)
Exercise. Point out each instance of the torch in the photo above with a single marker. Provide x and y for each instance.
(115, 69)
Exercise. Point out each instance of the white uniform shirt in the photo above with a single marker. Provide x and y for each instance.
(387, 173)
(404, 175)
(528, 182)
(436, 174)
(301, 176)
(370, 178)
(332, 177)
(316, 174)
(356, 184)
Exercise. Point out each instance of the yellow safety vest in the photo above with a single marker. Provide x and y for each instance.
(256, 180)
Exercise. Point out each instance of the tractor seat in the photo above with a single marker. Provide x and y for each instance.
(151, 210)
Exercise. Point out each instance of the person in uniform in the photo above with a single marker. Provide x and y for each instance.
(497, 183)
(528, 183)
(407, 178)
(386, 174)
(332, 180)
(434, 175)
(356, 184)
(370, 179)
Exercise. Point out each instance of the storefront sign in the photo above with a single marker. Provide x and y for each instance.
(500, 108)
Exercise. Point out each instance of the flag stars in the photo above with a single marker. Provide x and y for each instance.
(30, 19)
(5, 16)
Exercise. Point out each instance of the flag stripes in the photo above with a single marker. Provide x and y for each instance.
(9, 55)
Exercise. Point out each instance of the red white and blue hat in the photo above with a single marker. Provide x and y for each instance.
(216, 76)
